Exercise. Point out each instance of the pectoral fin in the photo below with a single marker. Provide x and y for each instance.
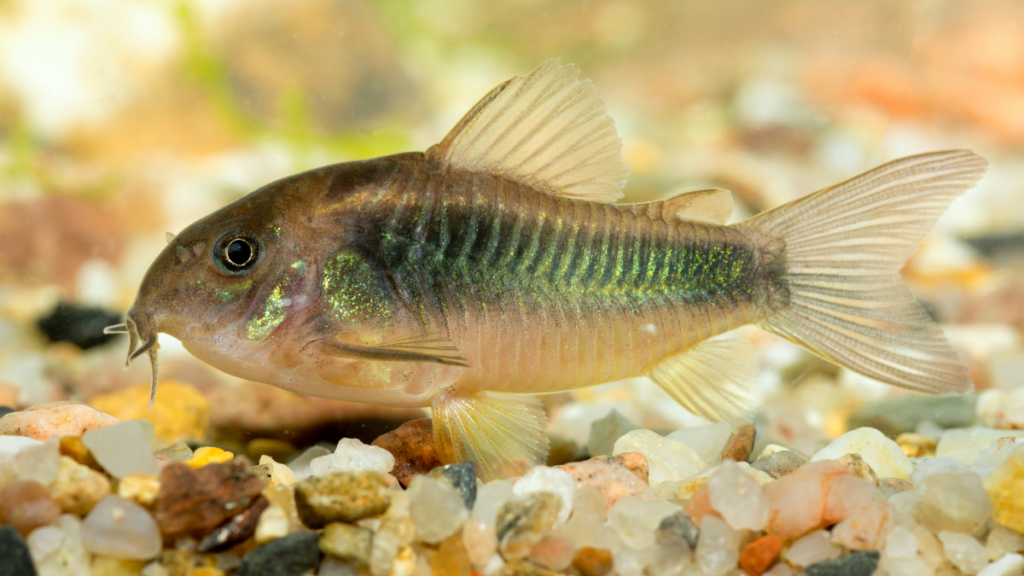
(502, 434)
(439, 350)
(713, 379)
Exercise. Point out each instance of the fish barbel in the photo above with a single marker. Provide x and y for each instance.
(496, 265)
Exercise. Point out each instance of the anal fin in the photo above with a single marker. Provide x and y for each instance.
(502, 434)
(713, 379)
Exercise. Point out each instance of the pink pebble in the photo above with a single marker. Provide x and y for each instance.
(54, 418)
(798, 502)
(611, 480)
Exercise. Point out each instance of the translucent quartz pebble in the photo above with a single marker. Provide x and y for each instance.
(668, 460)
(707, 441)
(964, 551)
(884, 456)
(928, 466)
(966, 444)
(44, 541)
(718, 549)
(489, 498)
(1002, 541)
(122, 449)
(589, 511)
(177, 452)
(273, 524)
(953, 502)
(437, 509)
(905, 567)
(671, 557)
(553, 553)
(14, 444)
(280, 475)
(997, 452)
(604, 433)
(1009, 565)
(121, 528)
(300, 465)
(351, 455)
(629, 562)
(737, 497)
(900, 543)
(544, 479)
(636, 520)
(780, 569)
(480, 541)
(39, 462)
(57, 549)
(813, 547)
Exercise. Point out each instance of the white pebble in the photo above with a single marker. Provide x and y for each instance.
(14, 444)
(667, 460)
(737, 497)
(966, 444)
(490, 498)
(707, 441)
(1009, 565)
(122, 449)
(930, 466)
(120, 528)
(884, 456)
(636, 520)
(813, 547)
(718, 548)
(273, 524)
(544, 479)
(352, 455)
(965, 552)
(437, 509)
(900, 543)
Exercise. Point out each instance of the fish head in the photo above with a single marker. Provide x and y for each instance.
(222, 285)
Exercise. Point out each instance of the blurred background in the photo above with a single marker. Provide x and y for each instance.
(121, 120)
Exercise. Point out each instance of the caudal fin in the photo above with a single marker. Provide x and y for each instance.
(844, 247)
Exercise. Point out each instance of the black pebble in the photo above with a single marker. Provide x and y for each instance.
(462, 477)
(5, 410)
(678, 525)
(14, 556)
(81, 325)
(289, 556)
(856, 564)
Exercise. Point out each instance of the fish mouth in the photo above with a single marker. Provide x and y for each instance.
(142, 339)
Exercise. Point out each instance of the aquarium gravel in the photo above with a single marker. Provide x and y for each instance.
(696, 501)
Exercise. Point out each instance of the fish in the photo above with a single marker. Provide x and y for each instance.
(497, 266)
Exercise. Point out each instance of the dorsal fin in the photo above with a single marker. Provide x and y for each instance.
(712, 205)
(547, 130)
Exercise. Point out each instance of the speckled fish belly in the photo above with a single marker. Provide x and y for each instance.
(496, 265)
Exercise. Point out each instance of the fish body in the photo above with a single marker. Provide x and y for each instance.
(494, 266)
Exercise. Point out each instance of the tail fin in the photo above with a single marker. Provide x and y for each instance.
(844, 247)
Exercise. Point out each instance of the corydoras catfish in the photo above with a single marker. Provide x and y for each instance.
(496, 265)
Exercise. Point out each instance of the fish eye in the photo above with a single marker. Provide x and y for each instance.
(237, 253)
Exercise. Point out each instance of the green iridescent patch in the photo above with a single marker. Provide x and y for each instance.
(270, 316)
(231, 293)
(352, 290)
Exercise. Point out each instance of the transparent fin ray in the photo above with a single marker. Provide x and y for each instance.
(502, 434)
(844, 248)
(548, 130)
(714, 379)
(711, 205)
